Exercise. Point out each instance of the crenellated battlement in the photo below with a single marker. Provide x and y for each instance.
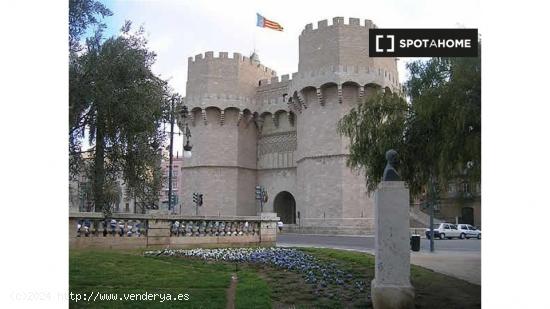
(274, 82)
(338, 22)
(342, 42)
(272, 94)
(224, 80)
(210, 57)
(339, 74)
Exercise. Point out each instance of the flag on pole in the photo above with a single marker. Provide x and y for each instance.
(266, 23)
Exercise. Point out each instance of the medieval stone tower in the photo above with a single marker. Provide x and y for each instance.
(251, 128)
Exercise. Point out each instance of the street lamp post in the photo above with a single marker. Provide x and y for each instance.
(170, 154)
(186, 148)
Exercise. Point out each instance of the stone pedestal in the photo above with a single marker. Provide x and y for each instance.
(268, 228)
(391, 287)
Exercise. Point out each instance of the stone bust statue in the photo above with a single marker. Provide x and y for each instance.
(390, 174)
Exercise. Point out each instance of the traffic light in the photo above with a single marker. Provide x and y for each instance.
(200, 199)
(174, 199)
(258, 192)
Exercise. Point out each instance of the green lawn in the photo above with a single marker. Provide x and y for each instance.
(432, 289)
(258, 286)
(117, 272)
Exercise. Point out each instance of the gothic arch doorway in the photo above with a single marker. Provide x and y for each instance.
(285, 207)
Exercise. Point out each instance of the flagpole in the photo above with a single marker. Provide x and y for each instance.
(254, 36)
(254, 39)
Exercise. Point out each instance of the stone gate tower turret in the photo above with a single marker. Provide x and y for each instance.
(220, 97)
(335, 73)
(250, 127)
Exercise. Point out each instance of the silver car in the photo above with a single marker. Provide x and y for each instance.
(468, 231)
(444, 230)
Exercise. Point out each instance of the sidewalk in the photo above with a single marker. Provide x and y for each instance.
(462, 265)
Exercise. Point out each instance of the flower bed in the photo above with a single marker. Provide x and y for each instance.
(314, 271)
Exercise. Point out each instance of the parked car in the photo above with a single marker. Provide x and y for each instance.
(469, 231)
(444, 230)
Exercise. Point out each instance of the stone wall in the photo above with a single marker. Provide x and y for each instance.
(219, 186)
(277, 142)
(330, 194)
(276, 181)
(223, 164)
(131, 231)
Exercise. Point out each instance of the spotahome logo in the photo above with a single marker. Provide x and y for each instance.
(423, 43)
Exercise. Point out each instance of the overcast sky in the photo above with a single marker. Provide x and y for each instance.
(178, 29)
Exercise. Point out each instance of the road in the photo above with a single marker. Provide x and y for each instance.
(366, 243)
(460, 258)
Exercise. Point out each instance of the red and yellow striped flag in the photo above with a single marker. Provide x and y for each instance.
(266, 23)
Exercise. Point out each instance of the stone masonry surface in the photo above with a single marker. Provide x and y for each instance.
(251, 127)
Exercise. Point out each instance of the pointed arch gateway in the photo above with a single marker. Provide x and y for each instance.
(284, 205)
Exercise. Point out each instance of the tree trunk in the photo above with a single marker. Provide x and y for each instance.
(99, 164)
(432, 201)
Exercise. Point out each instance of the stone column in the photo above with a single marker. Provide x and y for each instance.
(391, 287)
